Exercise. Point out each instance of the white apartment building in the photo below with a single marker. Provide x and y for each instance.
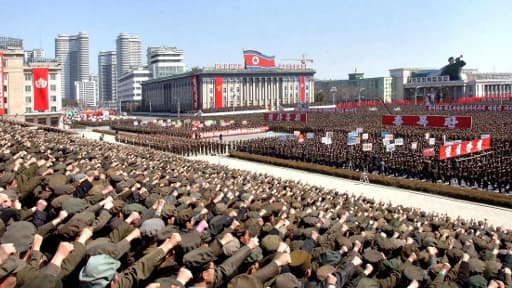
(86, 91)
(130, 88)
(72, 53)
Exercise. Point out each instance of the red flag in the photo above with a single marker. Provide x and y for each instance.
(218, 92)
(302, 89)
(254, 59)
(40, 83)
(2, 105)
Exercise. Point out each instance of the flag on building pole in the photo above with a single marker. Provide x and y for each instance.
(255, 59)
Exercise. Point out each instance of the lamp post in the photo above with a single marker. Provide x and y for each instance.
(333, 92)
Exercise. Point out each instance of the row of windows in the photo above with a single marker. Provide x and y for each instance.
(28, 99)
(29, 109)
(28, 76)
(28, 88)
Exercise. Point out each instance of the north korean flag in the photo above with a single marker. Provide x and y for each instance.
(255, 59)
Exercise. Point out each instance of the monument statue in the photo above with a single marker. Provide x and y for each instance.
(453, 69)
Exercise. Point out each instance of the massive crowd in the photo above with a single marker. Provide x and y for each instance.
(83, 213)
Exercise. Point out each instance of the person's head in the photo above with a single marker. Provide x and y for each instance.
(451, 60)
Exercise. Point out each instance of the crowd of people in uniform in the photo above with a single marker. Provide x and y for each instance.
(85, 213)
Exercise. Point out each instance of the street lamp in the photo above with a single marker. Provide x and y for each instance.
(333, 92)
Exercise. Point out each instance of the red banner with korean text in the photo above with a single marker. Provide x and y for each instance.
(302, 92)
(195, 95)
(467, 147)
(40, 83)
(437, 121)
(472, 107)
(2, 104)
(285, 117)
(218, 92)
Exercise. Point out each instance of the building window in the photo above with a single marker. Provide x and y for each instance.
(53, 109)
(28, 110)
(53, 87)
(224, 90)
(211, 90)
(28, 99)
(53, 98)
(53, 76)
(28, 76)
(28, 88)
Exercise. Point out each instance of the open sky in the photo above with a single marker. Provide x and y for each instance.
(371, 36)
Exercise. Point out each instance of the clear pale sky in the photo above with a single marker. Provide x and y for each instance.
(340, 35)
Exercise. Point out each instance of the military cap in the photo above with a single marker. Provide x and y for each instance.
(57, 202)
(190, 241)
(367, 283)
(78, 177)
(75, 225)
(476, 265)
(414, 273)
(300, 260)
(287, 280)
(102, 246)
(118, 206)
(198, 259)
(74, 205)
(166, 232)
(476, 281)
(20, 234)
(151, 227)
(56, 180)
(492, 269)
(246, 281)
(184, 216)
(99, 271)
(324, 271)
(218, 224)
(329, 257)
(133, 207)
(7, 178)
(256, 255)
(454, 255)
(270, 243)
(373, 256)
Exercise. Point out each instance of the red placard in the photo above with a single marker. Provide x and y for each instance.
(437, 121)
(218, 92)
(429, 152)
(285, 117)
(40, 83)
(467, 147)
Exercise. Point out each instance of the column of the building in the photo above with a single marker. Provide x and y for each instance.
(274, 91)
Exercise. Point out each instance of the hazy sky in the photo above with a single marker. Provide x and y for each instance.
(340, 35)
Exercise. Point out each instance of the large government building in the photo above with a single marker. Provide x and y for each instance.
(19, 85)
(229, 86)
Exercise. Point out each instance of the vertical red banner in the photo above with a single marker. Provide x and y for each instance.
(40, 83)
(195, 95)
(2, 104)
(302, 88)
(218, 92)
